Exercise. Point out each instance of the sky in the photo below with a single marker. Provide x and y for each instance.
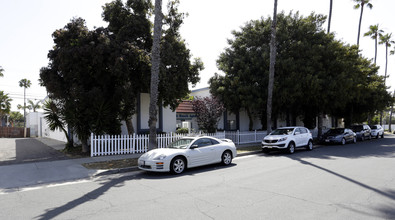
(26, 28)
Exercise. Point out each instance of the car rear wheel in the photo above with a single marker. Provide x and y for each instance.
(362, 137)
(354, 140)
(177, 165)
(309, 145)
(343, 141)
(370, 137)
(226, 158)
(291, 148)
(382, 136)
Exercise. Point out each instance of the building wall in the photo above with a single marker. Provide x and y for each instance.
(33, 120)
(169, 120)
(203, 92)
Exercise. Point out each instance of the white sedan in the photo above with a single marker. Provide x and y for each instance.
(188, 152)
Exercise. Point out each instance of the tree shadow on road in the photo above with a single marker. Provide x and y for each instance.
(120, 182)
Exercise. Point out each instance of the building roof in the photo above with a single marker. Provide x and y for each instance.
(185, 107)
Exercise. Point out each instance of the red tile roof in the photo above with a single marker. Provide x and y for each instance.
(185, 107)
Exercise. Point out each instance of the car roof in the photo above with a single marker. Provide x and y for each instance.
(290, 127)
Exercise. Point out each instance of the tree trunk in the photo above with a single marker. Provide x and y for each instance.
(85, 146)
(155, 67)
(360, 22)
(330, 15)
(273, 51)
(129, 125)
(392, 108)
(251, 122)
(385, 78)
(320, 123)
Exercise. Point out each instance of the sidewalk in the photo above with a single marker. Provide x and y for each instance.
(17, 176)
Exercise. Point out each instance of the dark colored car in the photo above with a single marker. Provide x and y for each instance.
(339, 136)
(363, 131)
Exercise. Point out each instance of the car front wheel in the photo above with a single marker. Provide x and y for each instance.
(343, 141)
(177, 165)
(354, 140)
(226, 158)
(309, 145)
(291, 148)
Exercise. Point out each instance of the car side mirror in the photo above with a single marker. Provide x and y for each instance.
(297, 133)
(194, 146)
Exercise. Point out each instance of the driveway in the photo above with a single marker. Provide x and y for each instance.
(25, 150)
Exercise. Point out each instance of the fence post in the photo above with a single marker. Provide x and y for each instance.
(91, 144)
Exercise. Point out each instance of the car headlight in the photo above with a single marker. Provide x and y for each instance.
(160, 157)
(282, 139)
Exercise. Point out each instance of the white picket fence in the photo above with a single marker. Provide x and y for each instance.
(102, 145)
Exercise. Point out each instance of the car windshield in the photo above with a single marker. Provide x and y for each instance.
(357, 128)
(373, 127)
(336, 131)
(180, 144)
(282, 131)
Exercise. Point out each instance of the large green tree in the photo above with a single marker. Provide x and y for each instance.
(314, 72)
(96, 75)
(79, 77)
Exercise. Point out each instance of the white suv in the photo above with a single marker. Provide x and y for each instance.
(377, 131)
(288, 138)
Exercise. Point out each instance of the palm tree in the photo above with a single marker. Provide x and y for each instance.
(56, 120)
(33, 105)
(330, 15)
(374, 33)
(1, 71)
(5, 105)
(361, 4)
(387, 41)
(155, 64)
(273, 51)
(25, 83)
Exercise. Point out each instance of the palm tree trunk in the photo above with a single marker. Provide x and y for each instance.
(360, 22)
(155, 65)
(375, 49)
(129, 126)
(273, 51)
(330, 16)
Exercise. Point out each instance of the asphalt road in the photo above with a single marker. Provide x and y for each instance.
(355, 181)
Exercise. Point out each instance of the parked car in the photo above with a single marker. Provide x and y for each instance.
(288, 138)
(363, 131)
(339, 136)
(188, 152)
(377, 131)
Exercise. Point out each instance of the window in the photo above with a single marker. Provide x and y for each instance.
(214, 142)
(202, 142)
